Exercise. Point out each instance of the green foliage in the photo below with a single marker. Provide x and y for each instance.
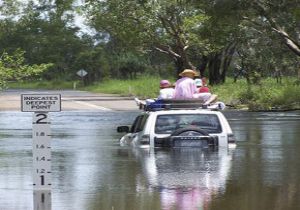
(143, 87)
(95, 62)
(268, 40)
(230, 94)
(178, 29)
(47, 34)
(133, 37)
(12, 67)
(10, 7)
(271, 95)
(128, 65)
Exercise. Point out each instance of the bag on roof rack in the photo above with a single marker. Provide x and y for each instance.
(174, 104)
(163, 104)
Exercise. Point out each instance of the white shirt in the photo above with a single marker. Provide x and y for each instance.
(166, 93)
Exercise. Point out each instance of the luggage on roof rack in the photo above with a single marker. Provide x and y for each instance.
(175, 104)
(172, 104)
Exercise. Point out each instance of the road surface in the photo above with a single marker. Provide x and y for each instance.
(71, 100)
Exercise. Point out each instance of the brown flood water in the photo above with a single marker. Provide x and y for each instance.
(91, 171)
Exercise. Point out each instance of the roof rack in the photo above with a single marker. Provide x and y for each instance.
(176, 104)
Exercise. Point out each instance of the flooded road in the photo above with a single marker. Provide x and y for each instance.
(91, 171)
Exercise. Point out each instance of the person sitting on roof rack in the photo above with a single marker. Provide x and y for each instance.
(209, 99)
(203, 88)
(166, 92)
(198, 83)
(185, 87)
(204, 93)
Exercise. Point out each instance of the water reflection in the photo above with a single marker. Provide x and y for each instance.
(186, 178)
(265, 173)
(42, 200)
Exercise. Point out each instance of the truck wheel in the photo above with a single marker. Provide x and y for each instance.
(191, 131)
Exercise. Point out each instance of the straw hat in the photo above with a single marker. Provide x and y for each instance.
(188, 72)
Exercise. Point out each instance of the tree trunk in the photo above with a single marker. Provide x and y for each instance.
(219, 63)
(179, 66)
(214, 69)
(227, 57)
(202, 66)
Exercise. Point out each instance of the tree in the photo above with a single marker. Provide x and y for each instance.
(46, 34)
(189, 32)
(271, 30)
(222, 32)
(12, 67)
(95, 62)
(283, 18)
(149, 25)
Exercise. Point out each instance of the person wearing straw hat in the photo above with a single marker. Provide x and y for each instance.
(185, 87)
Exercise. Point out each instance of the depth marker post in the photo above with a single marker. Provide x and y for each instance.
(41, 151)
(41, 104)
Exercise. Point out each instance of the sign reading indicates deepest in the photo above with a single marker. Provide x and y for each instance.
(41, 102)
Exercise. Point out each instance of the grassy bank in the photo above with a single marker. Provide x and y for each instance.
(144, 87)
(268, 95)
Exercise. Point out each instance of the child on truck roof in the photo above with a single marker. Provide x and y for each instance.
(166, 92)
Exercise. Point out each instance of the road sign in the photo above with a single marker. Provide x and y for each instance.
(82, 73)
(41, 102)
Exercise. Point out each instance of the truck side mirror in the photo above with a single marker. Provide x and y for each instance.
(122, 129)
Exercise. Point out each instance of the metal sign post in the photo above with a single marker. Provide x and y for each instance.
(41, 143)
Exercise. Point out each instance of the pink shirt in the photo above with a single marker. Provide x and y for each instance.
(185, 88)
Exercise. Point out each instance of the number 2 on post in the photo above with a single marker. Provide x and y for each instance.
(40, 119)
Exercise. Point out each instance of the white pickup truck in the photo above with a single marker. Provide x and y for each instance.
(179, 128)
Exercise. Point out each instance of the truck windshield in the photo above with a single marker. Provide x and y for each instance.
(167, 124)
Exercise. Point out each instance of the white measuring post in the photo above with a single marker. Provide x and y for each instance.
(41, 151)
(41, 105)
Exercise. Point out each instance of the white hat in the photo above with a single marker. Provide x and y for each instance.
(198, 82)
